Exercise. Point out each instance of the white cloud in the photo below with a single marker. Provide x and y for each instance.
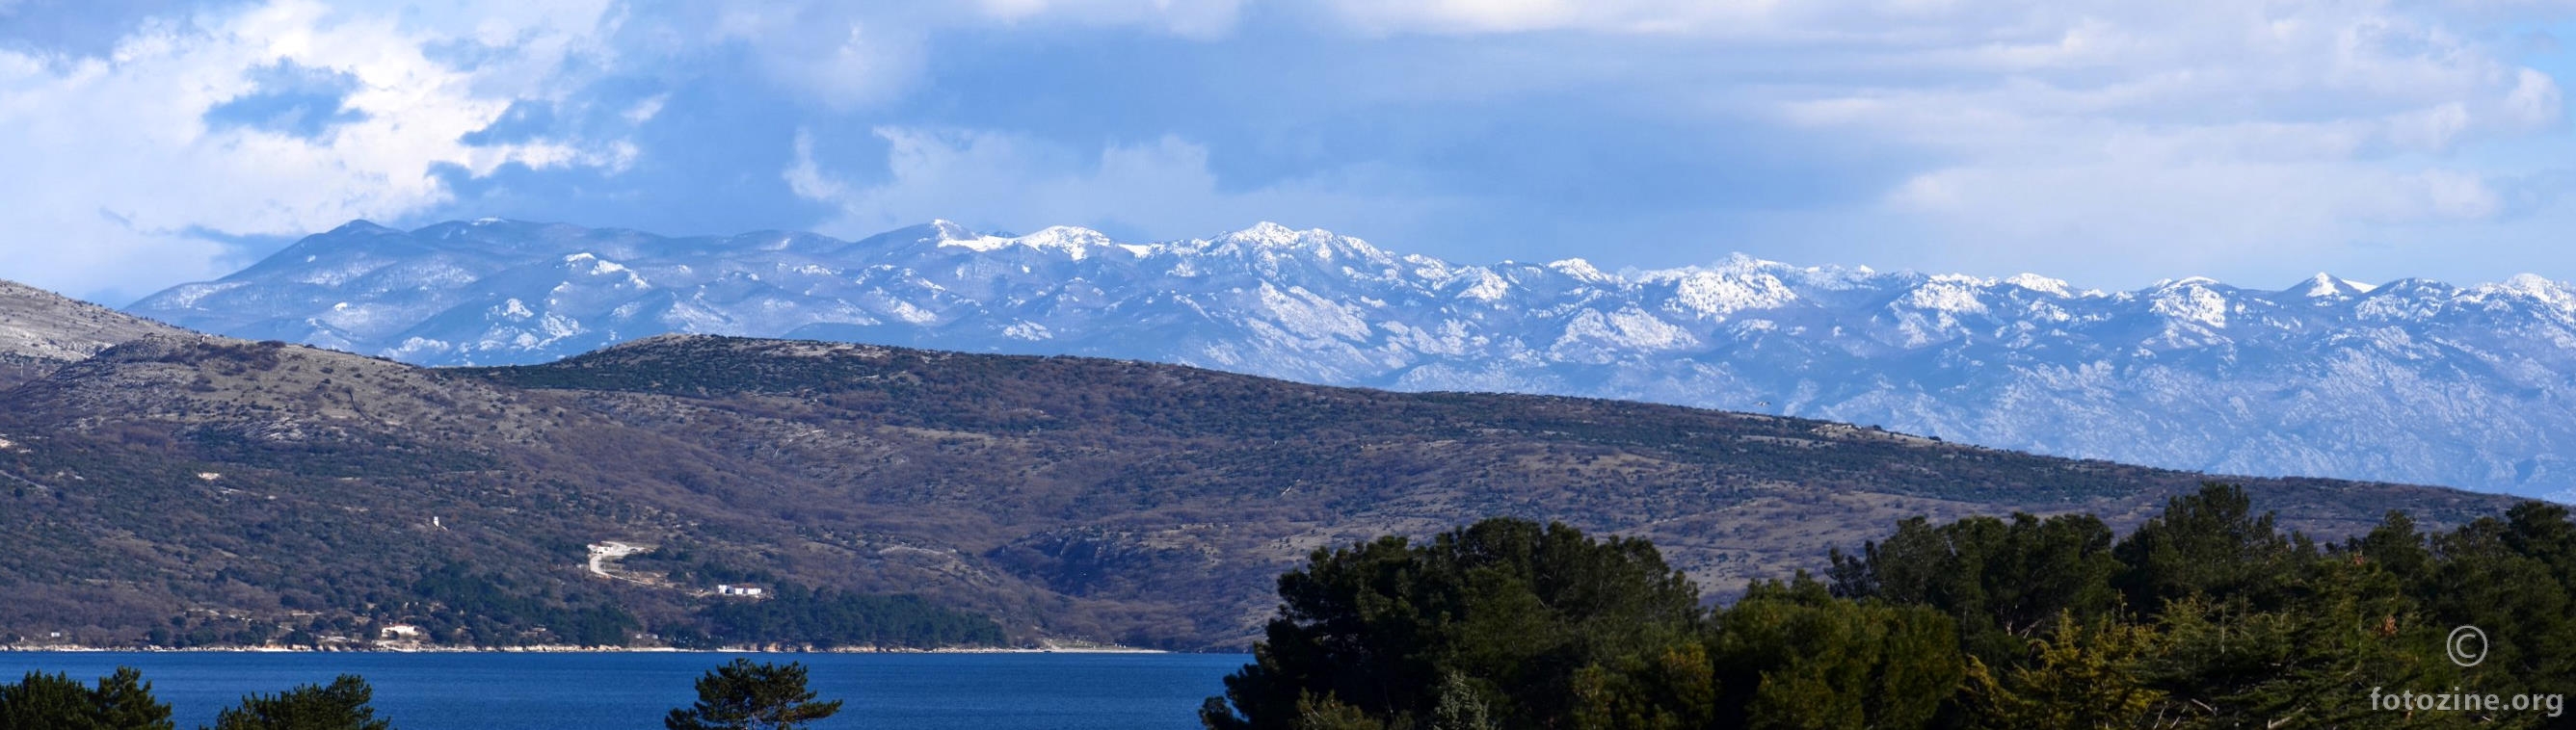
(856, 55)
(1015, 182)
(116, 176)
(2188, 136)
(114, 167)
(2184, 131)
(1512, 16)
(1204, 19)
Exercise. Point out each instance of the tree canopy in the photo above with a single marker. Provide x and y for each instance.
(743, 695)
(2206, 615)
(341, 705)
(120, 701)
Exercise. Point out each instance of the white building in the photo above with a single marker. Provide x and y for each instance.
(727, 589)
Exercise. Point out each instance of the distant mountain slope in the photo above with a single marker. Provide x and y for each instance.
(41, 330)
(227, 483)
(2414, 381)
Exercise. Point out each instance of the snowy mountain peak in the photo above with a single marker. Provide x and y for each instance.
(2041, 284)
(1579, 270)
(1948, 293)
(2324, 286)
(1273, 239)
(2552, 294)
(1716, 293)
(1266, 233)
(360, 226)
(1742, 263)
(2413, 381)
(1075, 242)
(2533, 285)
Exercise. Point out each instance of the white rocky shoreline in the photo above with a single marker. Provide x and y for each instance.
(559, 649)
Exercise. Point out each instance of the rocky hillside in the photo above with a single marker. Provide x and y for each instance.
(41, 330)
(2412, 381)
(237, 485)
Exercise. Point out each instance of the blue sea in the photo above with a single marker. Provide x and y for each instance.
(632, 691)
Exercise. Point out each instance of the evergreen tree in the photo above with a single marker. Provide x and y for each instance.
(2207, 543)
(45, 702)
(2499, 576)
(125, 702)
(1671, 689)
(120, 701)
(2206, 616)
(1460, 707)
(1793, 656)
(341, 705)
(2004, 582)
(743, 695)
(2086, 676)
(2395, 546)
(1325, 713)
(2311, 666)
(1516, 607)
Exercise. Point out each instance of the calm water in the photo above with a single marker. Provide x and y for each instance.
(603, 691)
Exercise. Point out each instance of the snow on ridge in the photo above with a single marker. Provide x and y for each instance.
(980, 242)
(1073, 240)
(1716, 294)
(1266, 234)
(1272, 239)
(1489, 287)
(1948, 293)
(1581, 270)
(2042, 284)
(2186, 302)
(1740, 264)
(2323, 285)
(2553, 294)
(188, 295)
(1907, 349)
(1628, 327)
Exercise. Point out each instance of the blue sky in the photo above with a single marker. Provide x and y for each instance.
(2110, 143)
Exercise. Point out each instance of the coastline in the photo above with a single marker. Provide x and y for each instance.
(552, 649)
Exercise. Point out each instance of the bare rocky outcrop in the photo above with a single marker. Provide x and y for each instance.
(41, 330)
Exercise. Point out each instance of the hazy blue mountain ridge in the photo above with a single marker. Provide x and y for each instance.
(2412, 381)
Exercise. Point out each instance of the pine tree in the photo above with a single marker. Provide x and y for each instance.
(124, 702)
(2085, 677)
(342, 705)
(1326, 713)
(2207, 543)
(1675, 689)
(746, 696)
(1459, 707)
(121, 701)
(1792, 656)
(44, 702)
(1517, 606)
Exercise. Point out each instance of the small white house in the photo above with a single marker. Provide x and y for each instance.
(726, 589)
(401, 631)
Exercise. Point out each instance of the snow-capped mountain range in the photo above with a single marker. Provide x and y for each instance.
(2412, 381)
